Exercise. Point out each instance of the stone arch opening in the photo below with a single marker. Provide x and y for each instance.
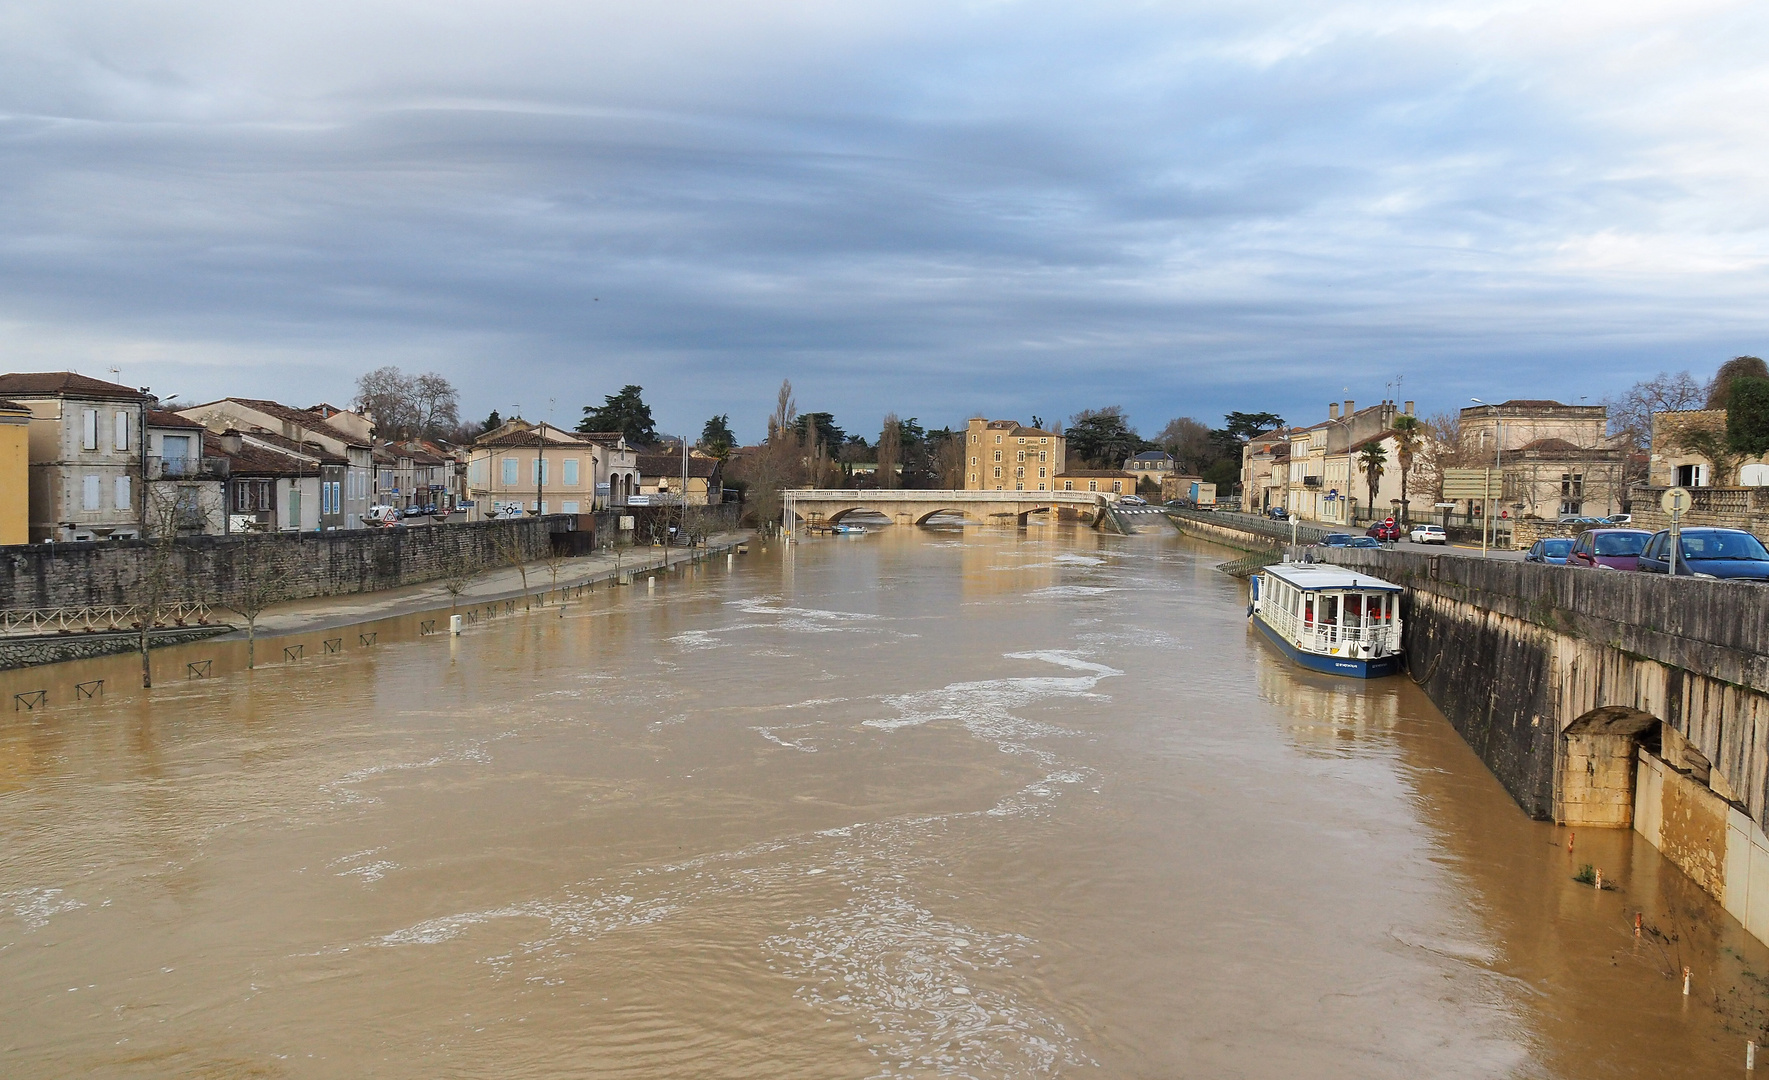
(1598, 754)
(953, 510)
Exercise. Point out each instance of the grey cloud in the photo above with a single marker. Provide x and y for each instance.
(1017, 208)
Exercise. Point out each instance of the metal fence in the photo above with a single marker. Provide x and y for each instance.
(88, 620)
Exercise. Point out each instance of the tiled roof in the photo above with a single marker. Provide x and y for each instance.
(299, 417)
(311, 450)
(257, 461)
(13, 406)
(166, 418)
(57, 383)
(666, 465)
(530, 439)
(1552, 445)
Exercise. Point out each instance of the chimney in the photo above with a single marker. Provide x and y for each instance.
(230, 442)
(1350, 407)
(1409, 408)
(1333, 410)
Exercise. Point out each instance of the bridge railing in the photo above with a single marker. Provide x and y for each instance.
(97, 619)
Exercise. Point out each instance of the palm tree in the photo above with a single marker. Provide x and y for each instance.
(1372, 459)
(1409, 439)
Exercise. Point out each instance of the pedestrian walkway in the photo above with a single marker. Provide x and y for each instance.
(503, 583)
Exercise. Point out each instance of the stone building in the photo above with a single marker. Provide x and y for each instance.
(1674, 464)
(1116, 481)
(548, 470)
(660, 475)
(346, 483)
(1004, 455)
(15, 473)
(1322, 475)
(184, 481)
(1557, 459)
(85, 452)
(1151, 467)
(1265, 471)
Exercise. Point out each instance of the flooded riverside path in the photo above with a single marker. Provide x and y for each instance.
(989, 804)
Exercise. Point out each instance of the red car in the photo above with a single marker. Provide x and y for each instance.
(1613, 549)
(1384, 530)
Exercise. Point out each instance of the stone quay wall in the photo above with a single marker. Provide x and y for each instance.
(211, 568)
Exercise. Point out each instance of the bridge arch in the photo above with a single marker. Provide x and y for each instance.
(922, 518)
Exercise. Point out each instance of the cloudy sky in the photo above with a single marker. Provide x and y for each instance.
(934, 208)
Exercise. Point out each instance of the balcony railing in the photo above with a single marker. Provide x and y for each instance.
(187, 468)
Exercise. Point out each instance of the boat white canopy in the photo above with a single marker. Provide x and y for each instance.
(1311, 577)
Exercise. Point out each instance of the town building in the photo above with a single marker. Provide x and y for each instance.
(1265, 471)
(184, 483)
(267, 485)
(660, 477)
(544, 469)
(1674, 462)
(345, 485)
(15, 473)
(1150, 467)
(1556, 459)
(1004, 455)
(1116, 481)
(85, 454)
(1319, 486)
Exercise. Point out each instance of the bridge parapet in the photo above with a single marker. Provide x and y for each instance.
(916, 506)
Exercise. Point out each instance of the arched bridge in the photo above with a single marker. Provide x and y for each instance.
(825, 506)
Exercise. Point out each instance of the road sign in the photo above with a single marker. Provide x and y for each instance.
(1473, 484)
(1676, 500)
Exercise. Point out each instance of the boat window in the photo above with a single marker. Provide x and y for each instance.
(1308, 610)
(1330, 610)
(1354, 608)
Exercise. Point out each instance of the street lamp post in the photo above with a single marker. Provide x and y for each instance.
(1498, 467)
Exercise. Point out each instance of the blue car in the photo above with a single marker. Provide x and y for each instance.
(1337, 540)
(1553, 550)
(1707, 552)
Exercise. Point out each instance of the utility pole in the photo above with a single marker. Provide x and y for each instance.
(1498, 467)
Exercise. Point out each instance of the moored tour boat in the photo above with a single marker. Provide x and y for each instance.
(1330, 619)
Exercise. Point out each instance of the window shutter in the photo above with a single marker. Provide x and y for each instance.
(121, 492)
(89, 432)
(122, 431)
(89, 493)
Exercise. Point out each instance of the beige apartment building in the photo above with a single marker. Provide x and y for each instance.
(547, 470)
(85, 442)
(1004, 455)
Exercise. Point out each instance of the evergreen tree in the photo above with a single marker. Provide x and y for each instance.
(625, 412)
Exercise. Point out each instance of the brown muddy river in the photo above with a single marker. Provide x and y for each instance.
(914, 804)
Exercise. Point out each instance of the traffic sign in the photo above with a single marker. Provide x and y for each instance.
(1473, 484)
(1676, 501)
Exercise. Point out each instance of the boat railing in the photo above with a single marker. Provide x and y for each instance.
(1317, 636)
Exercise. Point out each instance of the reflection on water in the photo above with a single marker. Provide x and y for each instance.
(919, 803)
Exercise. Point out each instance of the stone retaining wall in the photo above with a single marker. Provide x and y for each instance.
(209, 568)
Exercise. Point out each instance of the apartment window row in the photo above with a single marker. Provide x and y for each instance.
(90, 423)
(92, 493)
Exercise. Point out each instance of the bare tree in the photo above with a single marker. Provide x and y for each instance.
(459, 570)
(555, 558)
(257, 584)
(890, 451)
(386, 395)
(508, 547)
(166, 510)
(775, 465)
(408, 406)
(436, 404)
(1188, 440)
(1630, 414)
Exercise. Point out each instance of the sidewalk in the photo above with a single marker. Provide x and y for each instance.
(503, 583)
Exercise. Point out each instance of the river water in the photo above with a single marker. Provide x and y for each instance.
(920, 803)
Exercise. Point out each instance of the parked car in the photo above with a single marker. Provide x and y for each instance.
(1337, 540)
(413, 511)
(1365, 542)
(1132, 500)
(1552, 550)
(1709, 552)
(1428, 534)
(1384, 530)
(1277, 513)
(1580, 519)
(1614, 549)
(1620, 519)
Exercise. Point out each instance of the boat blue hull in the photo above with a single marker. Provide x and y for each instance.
(1332, 665)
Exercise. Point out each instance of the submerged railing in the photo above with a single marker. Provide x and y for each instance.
(100, 618)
